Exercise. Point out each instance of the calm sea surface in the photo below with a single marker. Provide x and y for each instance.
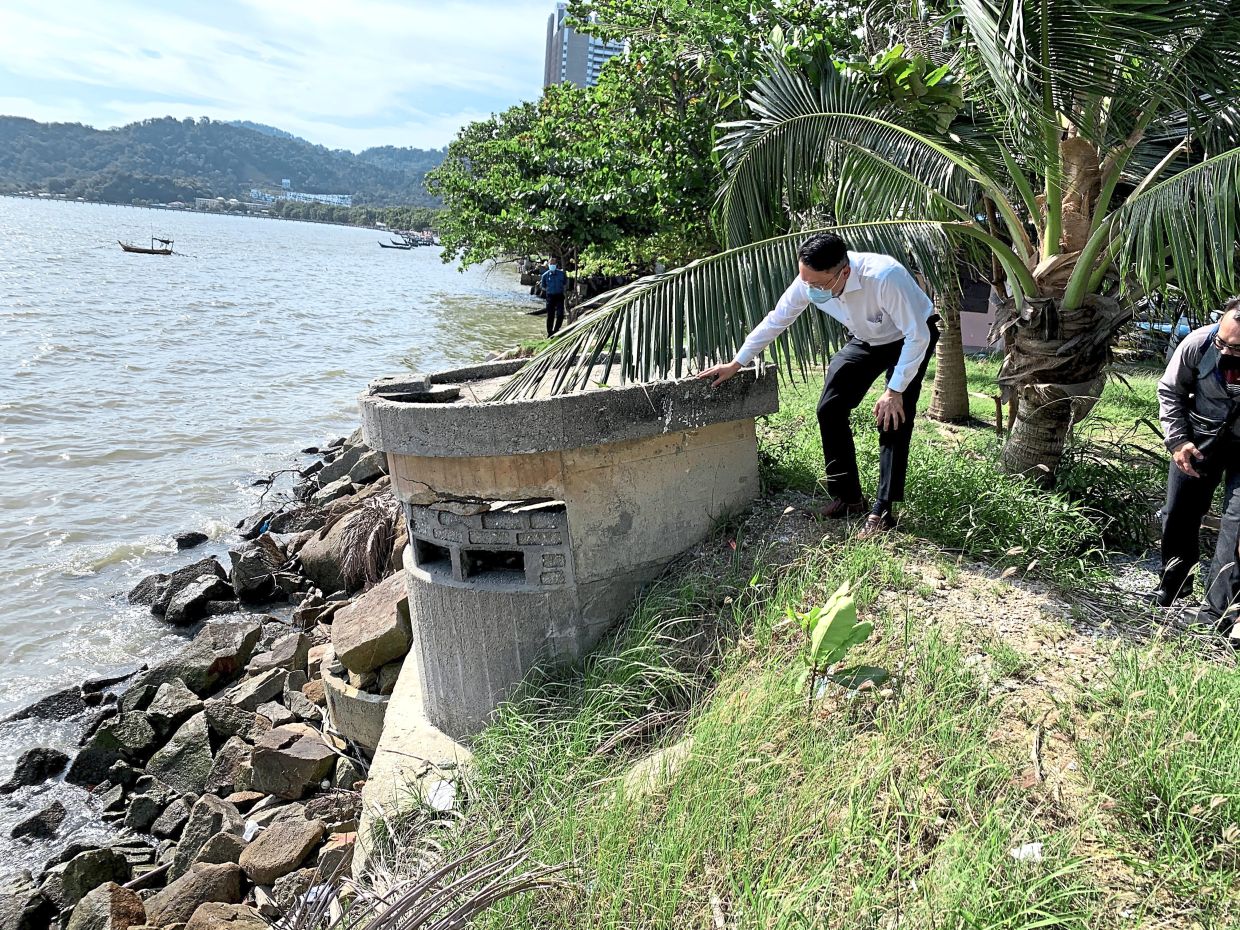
(141, 396)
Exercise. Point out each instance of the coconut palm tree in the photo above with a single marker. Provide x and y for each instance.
(1101, 168)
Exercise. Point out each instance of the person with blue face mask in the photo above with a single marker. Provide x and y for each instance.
(554, 282)
(892, 330)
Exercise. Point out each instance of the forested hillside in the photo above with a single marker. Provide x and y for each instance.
(170, 159)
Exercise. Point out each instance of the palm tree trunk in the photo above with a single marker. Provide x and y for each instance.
(949, 401)
(1055, 369)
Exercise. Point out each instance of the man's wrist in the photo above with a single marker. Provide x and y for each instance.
(892, 390)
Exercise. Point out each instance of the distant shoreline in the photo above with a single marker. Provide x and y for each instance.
(190, 210)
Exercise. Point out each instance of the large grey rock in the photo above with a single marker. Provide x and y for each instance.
(370, 467)
(298, 520)
(189, 605)
(374, 629)
(226, 720)
(172, 705)
(108, 907)
(347, 774)
(34, 767)
(280, 849)
(229, 761)
(322, 556)
(340, 466)
(22, 907)
(274, 813)
(171, 585)
(287, 761)
(126, 738)
(201, 885)
(249, 693)
(277, 713)
(66, 884)
(43, 825)
(149, 800)
(216, 655)
(329, 493)
(302, 707)
(169, 824)
(289, 653)
(223, 847)
(254, 569)
(226, 917)
(185, 761)
(210, 815)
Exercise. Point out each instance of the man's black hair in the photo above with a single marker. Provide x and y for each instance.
(1232, 306)
(823, 252)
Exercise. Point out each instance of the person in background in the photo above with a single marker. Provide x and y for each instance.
(554, 282)
(893, 330)
(1199, 407)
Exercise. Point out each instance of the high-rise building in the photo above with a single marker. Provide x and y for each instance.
(572, 56)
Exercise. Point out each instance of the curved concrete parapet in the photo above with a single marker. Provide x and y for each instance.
(356, 714)
(533, 523)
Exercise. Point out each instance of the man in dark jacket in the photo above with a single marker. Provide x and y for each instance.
(1199, 406)
(554, 281)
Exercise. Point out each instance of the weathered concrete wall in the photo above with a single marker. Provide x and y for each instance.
(533, 524)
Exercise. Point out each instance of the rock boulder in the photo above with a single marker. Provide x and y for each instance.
(375, 629)
(34, 767)
(185, 761)
(203, 884)
(189, 604)
(280, 849)
(108, 907)
(287, 761)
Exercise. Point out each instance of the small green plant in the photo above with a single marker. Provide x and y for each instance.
(830, 631)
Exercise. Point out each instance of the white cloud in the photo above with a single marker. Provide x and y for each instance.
(347, 75)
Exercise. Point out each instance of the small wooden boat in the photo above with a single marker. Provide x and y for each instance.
(164, 248)
(403, 246)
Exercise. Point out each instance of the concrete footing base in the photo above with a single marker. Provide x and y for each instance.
(413, 762)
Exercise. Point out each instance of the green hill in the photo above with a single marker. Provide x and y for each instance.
(170, 159)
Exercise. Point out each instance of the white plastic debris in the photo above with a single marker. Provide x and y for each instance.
(441, 796)
(1029, 852)
(252, 829)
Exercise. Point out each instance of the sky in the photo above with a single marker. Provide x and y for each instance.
(347, 74)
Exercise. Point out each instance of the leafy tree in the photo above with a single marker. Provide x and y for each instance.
(1101, 167)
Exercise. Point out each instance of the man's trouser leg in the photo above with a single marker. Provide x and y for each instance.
(1188, 499)
(893, 443)
(555, 313)
(1222, 581)
(852, 371)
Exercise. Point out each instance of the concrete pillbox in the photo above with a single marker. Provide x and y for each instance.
(532, 523)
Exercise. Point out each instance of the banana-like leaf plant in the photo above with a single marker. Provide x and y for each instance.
(831, 630)
(1100, 167)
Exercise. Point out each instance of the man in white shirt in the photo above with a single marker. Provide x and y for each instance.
(892, 330)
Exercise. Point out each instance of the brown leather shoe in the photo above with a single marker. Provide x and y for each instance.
(876, 525)
(838, 509)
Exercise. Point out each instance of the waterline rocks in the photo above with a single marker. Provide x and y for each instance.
(203, 760)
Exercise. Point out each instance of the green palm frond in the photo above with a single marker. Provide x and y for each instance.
(670, 324)
(810, 137)
(1184, 229)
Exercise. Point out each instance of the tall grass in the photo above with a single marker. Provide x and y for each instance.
(1164, 743)
(883, 804)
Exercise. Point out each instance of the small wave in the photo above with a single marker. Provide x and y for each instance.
(91, 560)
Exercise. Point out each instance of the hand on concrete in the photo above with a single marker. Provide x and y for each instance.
(720, 373)
(889, 411)
(1186, 456)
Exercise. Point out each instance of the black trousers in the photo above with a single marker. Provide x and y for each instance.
(1188, 499)
(555, 313)
(852, 372)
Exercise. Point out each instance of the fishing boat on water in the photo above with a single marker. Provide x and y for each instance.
(403, 246)
(164, 247)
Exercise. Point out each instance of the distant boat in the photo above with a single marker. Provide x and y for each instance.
(164, 249)
(403, 246)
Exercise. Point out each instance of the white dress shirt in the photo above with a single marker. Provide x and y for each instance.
(881, 304)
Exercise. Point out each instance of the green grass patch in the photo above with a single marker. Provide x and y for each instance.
(880, 803)
(1165, 746)
(958, 496)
